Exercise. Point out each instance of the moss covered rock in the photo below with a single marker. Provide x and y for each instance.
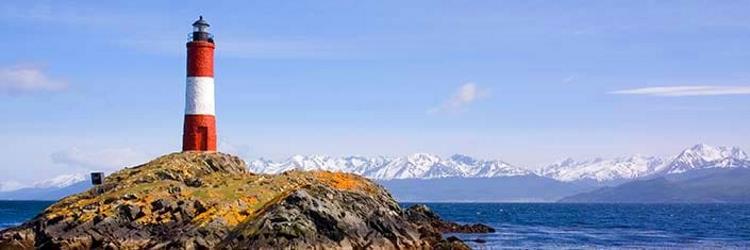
(196, 200)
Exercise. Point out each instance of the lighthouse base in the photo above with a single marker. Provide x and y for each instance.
(199, 133)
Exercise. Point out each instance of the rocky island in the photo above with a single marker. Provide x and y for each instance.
(203, 200)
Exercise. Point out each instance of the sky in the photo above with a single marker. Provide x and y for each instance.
(98, 85)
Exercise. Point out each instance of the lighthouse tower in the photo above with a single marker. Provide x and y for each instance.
(199, 131)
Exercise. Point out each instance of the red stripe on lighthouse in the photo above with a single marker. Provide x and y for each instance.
(199, 133)
(200, 58)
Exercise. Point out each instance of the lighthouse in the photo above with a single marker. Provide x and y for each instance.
(199, 130)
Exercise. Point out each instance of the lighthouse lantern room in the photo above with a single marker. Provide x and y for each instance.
(199, 131)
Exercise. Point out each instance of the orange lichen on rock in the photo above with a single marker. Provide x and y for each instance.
(347, 182)
(339, 180)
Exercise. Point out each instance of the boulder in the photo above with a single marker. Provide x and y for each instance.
(421, 214)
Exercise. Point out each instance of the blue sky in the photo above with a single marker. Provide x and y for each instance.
(94, 85)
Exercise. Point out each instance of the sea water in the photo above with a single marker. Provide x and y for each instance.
(13, 213)
(564, 226)
(616, 226)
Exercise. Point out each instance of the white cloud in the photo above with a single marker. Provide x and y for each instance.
(686, 91)
(569, 79)
(465, 95)
(26, 79)
(100, 159)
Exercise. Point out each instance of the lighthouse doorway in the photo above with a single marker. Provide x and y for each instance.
(202, 138)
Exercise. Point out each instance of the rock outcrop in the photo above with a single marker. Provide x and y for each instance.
(423, 215)
(210, 201)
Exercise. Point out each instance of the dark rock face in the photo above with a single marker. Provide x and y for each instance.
(209, 201)
(326, 218)
(422, 214)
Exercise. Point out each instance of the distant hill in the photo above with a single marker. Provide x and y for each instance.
(729, 185)
(51, 193)
(525, 188)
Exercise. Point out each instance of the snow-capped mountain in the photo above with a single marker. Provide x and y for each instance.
(49, 189)
(354, 164)
(60, 181)
(700, 156)
(428, 166)
(484, 168)
(416, 166)
(10, 186)
(703, 156)
(602, 170)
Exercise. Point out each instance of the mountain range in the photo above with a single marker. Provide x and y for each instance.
(416, 166)
(429, 166)
(464, 178)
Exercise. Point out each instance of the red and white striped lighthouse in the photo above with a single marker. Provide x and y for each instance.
(199, 131)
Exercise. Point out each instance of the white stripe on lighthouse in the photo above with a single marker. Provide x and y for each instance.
(199, 97)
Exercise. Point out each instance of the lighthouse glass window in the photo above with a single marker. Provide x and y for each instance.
(200, 28)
